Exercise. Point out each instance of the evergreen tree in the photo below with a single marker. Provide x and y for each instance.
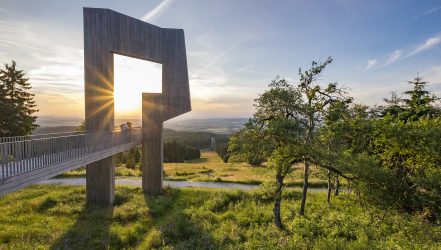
(16, 103)
(420, 101)
(393, 107)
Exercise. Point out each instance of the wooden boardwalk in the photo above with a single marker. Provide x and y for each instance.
(26, 160)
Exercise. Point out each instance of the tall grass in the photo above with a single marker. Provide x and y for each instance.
(55, 217)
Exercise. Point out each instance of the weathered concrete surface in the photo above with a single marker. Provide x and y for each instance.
(152, 154)
(107, 32)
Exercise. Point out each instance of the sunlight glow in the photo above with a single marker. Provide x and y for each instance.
(132, 78)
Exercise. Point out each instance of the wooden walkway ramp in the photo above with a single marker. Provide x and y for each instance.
(25, 160)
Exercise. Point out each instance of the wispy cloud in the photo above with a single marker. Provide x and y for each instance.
(428, 12)
(394, 56)
(61, 72)
(10, 12)
(157, 10)
(22, 45)
(429, 43)
(245, 68)
(219, 56)
(370, 64)
(399, 54)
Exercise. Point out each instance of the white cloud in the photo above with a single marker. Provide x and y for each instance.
(370, 64)
(58, 75)
(22, 45)
(245, 68)
(427, 12)
(219, 56)
(393, 56)
(157, 10)
(430, 43)
(398, 54)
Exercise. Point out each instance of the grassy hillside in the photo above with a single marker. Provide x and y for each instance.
(55, 217)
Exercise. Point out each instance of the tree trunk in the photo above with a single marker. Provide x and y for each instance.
(329, 187)
(337, 186)
(305, 188)
(278, 201)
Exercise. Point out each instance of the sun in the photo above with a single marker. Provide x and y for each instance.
(132, 77)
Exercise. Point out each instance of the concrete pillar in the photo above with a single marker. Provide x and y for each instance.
(152, 127)
(99, 110)
(100, 182)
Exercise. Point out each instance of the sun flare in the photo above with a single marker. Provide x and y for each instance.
(132, 78)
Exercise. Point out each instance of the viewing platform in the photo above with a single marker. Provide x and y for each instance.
(25, 160)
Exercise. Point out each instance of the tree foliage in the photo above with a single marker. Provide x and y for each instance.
(390, 155)
(175, 152)
(395, 155)
(17, 104)
(284, 128)
(419, 103)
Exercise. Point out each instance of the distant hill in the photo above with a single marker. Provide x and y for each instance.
(55, 121)
(189, 138)
(213, 125)
(56, 129)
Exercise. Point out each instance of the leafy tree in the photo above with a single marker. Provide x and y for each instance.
(16, 103)
(286, 121)
(405, 144)
(273, 133)
(247, 145)
(313, 108)
(411, 152)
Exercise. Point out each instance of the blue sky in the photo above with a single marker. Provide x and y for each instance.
(235, 48)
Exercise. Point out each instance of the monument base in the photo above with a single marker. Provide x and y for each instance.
(100, 182)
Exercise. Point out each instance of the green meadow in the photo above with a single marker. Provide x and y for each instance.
(56, 217)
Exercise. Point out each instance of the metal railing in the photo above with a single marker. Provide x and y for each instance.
(37, 136)
(27, 153)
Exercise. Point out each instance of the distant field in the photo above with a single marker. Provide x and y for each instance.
(223, 126)
(56, 217)
(211, 168)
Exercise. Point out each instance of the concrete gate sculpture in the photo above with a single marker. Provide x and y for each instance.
(106, 33)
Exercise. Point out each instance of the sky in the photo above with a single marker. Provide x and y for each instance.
(234, 49)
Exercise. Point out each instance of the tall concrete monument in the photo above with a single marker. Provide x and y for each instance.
(106, 33)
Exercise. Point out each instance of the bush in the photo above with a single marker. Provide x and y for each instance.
(221, 150)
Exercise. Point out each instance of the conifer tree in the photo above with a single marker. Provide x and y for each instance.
(17, 104)
(420, 101)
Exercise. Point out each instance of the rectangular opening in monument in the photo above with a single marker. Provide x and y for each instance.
(132, 77)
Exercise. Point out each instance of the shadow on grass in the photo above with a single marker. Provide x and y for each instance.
(173, 227)
(90, 231)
